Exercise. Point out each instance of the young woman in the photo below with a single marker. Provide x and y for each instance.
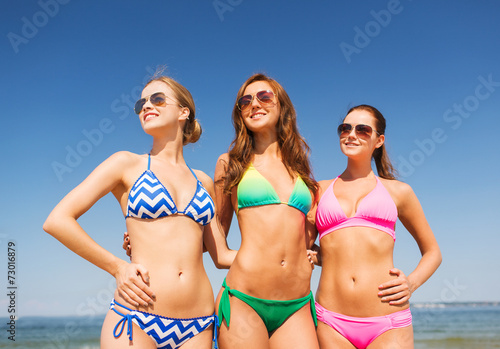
(163, 297)
(362, 299)
(265, 178)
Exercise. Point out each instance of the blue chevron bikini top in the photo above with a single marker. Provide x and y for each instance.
(149, 199)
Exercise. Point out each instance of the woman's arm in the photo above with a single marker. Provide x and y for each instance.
(62, 224)
(314, 253)
(411, 214)
(223, 204)
(311, 233)
(213, 238)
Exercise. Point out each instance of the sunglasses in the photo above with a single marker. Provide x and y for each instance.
(361, 130)
(158, 99)
(265, 97)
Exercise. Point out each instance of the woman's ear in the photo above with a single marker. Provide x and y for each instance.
(185, 112)
(380, 141)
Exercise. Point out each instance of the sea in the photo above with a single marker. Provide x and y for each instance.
(445, 325)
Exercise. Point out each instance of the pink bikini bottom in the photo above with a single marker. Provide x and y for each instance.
(361, 331)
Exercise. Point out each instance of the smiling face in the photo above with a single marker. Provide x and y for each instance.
(168, 113)
(355, 144)
(259, 116)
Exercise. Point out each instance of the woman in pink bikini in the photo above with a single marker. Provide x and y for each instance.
(362, 299)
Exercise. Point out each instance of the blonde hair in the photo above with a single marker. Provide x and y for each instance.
(192, 128)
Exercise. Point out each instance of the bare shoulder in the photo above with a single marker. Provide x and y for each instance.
(120, 160)
(224, 158)
(124, 162)
(221, 166)
(205, 179)
(400, 191)
(124, 157)
(202, 176)
(395, 185)
(323, 185)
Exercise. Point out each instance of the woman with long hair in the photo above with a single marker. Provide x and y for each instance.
(362, 299)
(164, 298)
(266, 179)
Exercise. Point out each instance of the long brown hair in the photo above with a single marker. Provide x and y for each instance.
(192, 129)
(293, 148)
(380, 156)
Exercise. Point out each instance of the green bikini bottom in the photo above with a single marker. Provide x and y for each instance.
(273, 313)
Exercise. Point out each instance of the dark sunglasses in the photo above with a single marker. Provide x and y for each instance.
(265, 97)
(158, 99)
(361, 130)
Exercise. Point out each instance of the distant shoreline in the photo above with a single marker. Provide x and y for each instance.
(454, 304)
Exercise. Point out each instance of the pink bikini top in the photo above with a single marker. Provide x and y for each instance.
(376, 210)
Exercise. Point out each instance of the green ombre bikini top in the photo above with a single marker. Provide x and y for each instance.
(255, 190)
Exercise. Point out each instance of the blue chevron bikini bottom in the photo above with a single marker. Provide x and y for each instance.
(167, 333)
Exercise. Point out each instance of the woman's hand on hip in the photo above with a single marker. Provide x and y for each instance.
(396, 291)
(132, 282)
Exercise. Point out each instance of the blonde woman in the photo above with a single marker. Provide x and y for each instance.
(164, 298)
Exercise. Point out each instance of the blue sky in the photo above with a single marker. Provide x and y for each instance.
(71, 69)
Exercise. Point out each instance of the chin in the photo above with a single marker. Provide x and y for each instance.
(352, 153)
